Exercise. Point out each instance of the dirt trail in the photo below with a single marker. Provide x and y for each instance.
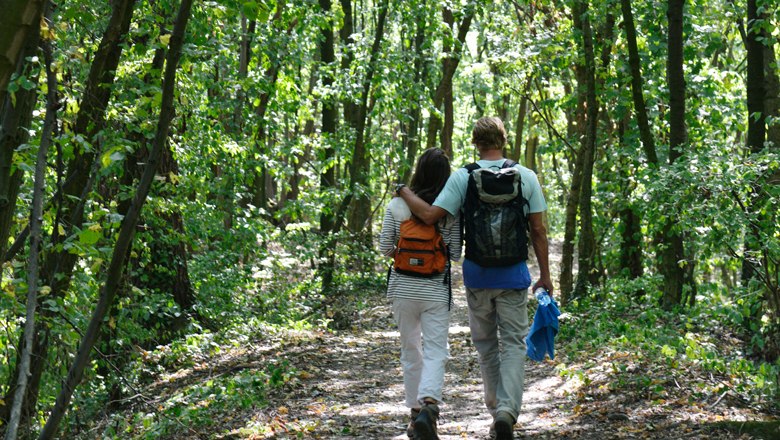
(350, 386)
(353, 386)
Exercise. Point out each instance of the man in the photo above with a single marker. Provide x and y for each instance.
(497, 294)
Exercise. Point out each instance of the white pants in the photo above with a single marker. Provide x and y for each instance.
(424, 327)
(500, 314)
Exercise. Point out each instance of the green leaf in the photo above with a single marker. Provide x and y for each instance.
(89, 236)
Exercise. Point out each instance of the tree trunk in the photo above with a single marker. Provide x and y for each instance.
(634, 64)
(522, 110)
(15, 116)
(772, 96)
(360, 170)
(576, 127)
(264, 184)
(328, 129)
(19, 20)
(57, 267)
(411, 137)
(351, 111)
(530, 153)
(444, 89)
(631, 245)
(129, 223)
(672, 253)
(756, 122)
(630, 220)
(36, 219)
(587, 244)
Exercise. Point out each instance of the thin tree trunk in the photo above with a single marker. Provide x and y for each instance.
(264, 184)
(586, 244)
(124, 240)
(630, 220)
(772, 95)
(672, 251)
(36, 219)
(15, 118)
(634, 64)
(351, 111)
(530, 153)
(328, 129)
(13, 133)
(411, 137)
(444, 89)
(576, 127)
(359, 172)
(756, 122)
(522, 110)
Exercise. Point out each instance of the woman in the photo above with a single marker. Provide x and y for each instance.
(421, 306)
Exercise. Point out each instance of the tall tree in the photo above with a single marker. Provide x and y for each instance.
(359, 168)
(587, 245)
(631, 253)
(17, 44)
(672, 252)
(129, 223)
(20, 19)
(58, 262)
(635, 67)
(410, 127)
(756, 121)
(36, 220)
(453, 47)
(328, 182)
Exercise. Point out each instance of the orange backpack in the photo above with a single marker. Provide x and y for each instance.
(421, 251)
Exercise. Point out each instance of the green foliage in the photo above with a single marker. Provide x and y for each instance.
(250, 154)
(634, 336)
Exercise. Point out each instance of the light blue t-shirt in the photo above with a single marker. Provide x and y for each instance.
(451, 200)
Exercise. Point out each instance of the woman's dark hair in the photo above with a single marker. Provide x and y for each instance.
(430, 174)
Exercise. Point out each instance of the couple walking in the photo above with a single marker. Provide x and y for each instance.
(494, 272)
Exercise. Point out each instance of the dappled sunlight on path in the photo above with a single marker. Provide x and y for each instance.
(353, 386)
(349, 385)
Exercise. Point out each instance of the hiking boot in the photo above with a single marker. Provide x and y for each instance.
(503, 425)
(425, 423)
(410, 429)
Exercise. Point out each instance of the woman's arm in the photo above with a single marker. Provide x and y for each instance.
(454, 240)
(387, 238)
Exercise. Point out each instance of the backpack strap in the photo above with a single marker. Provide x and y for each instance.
(508, 163)
(471, 167)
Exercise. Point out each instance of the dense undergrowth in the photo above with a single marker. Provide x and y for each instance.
(615, 343)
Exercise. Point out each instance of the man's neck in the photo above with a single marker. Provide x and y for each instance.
(491, 154)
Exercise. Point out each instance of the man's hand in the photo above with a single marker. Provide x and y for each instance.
(546, 283)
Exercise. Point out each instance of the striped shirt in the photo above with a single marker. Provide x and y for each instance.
(416, 288)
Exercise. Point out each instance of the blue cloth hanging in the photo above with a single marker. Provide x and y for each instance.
(541, 338)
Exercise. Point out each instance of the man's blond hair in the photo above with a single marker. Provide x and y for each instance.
(489, 133)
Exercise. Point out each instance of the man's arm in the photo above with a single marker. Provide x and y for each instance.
(539, 240)
(420, 208)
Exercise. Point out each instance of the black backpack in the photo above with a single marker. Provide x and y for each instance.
(494, 218)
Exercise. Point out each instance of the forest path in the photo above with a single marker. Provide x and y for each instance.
(353, 386)
(349, 385)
